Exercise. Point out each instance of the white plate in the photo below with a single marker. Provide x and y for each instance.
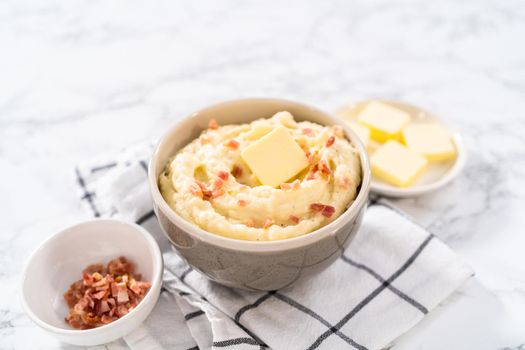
(437, 175)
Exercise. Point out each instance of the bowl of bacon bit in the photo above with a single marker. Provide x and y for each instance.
(93, 282)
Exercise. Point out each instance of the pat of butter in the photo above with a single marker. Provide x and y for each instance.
(362, 132)
(430, 140)
(275, 158)
(385, 122)
(397, 165)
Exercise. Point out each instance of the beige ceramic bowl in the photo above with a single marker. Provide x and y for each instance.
(248, 264)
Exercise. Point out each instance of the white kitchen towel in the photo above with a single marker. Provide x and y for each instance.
(389, 278)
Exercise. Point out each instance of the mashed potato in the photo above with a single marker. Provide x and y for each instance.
(208, 184)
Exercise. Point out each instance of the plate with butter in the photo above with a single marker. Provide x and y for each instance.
(411, 151)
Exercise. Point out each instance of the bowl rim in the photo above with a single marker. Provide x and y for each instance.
(155, 282)
(261, 246)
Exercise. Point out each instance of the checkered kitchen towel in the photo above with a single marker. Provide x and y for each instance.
(389, 278)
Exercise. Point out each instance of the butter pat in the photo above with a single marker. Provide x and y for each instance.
(430, 140)
(362, 132)
(275, 158)
(397, 165)
(385, 122)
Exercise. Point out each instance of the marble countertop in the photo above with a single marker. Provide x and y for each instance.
(80, 78)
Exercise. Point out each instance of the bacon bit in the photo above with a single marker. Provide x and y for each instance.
(294, 218)
(218, 184)
(223, 175)
(104, 294)
(90, 318)
(99, 295)
(330, 141)
(308, 132)
(81, 304)
(325, 170)
(91, 302)
(296, 184)
(317, 207)
(122, 294)
(237, 171)
(338, 131)
(328, 211)
(268, 222)
(87, 278)
(114, 290)
(113, 311)
(107, 319)
(311, 158)
(104, 284)
(242, 203)
(213, 124)
(122, 310)
(96, 276)
(312, 175)
(196, 190)
(139, 287)
(102, 307)
(250, 222)
(101, 282)
(206, 193)
(325, 210)
(234, 144)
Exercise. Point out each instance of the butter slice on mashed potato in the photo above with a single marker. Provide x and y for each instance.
(208, 184)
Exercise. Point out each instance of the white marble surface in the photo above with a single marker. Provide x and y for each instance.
(78, 78)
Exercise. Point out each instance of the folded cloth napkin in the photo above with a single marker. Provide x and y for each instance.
(389, 278)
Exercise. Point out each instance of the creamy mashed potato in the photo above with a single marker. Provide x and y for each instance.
(208, 184)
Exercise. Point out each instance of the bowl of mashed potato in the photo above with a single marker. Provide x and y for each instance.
(256, 193)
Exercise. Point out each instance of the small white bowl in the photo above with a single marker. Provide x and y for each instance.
(59, 261)
(436, 176)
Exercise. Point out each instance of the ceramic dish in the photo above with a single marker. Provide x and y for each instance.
(59, 261)
(253, 265)
(436, 176)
